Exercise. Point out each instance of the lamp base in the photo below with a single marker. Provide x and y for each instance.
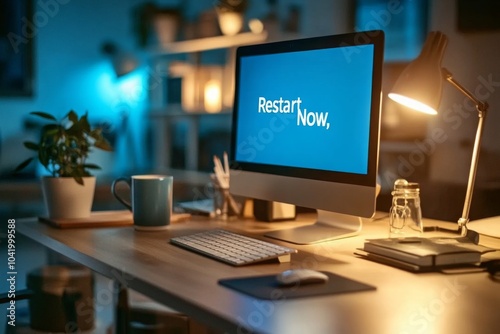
(468, 236)
(457, 230)
(486, 226)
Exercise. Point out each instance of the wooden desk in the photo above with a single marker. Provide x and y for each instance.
(403, 302)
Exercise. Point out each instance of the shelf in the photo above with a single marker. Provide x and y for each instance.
(209, 43)
(164, 116)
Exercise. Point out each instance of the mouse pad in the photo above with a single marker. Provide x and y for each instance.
(266, 287)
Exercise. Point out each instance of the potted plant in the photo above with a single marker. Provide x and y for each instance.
(63, 150)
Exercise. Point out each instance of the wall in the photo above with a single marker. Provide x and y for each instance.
(473, 58)
(71, 72)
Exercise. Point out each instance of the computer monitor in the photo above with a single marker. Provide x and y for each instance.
(305, 129)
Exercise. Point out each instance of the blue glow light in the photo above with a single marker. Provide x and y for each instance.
(128, 90)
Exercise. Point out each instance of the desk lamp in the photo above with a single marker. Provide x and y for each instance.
(123, 62)
(419, 87)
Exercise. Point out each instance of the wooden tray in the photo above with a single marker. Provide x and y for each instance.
(103, 219)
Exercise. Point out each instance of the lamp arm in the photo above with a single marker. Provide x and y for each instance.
(482, 108)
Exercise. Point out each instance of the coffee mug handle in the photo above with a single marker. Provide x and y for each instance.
(113, 190)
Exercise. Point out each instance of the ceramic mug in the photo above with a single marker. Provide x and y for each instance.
(151, 200)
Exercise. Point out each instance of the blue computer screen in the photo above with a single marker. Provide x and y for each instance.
(306, 109)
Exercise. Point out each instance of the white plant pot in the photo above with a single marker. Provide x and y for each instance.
(65, 198)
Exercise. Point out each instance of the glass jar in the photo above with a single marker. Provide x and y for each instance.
(405, 214)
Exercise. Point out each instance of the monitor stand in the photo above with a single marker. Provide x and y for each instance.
(329, 226)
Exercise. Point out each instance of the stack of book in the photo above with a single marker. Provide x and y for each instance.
(423, 254)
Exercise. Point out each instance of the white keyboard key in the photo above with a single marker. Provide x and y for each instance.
(233, 248)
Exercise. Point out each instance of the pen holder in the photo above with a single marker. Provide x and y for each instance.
(225, 207)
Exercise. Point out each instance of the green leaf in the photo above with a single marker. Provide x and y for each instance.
(96, 133)
(23, 165)
(65, 145)
(43, 115)
(51, 129)
(76, 130)
(91, 166)
(103, 145)
(72, 116)
(85, 123)
(78, 180)
(31, 146)
(43, 156)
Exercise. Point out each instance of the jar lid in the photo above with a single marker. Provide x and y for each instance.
(412, 185)
(402, 184)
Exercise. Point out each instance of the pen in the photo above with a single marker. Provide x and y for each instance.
(220, 175)
(226, 164)
(218, 165)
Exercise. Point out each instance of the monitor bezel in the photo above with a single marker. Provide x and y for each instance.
(375, 38)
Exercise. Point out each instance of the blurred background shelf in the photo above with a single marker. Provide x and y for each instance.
(208, 43)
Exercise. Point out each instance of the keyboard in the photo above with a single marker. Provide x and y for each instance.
(232, 248)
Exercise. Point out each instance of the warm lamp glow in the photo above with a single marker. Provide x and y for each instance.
(420, 84)
(413, 104)
(212, 96)
(202, 89)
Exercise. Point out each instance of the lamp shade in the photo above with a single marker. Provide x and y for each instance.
(420, 84)
(124, 63)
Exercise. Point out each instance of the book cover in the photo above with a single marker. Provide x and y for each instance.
(427, 251)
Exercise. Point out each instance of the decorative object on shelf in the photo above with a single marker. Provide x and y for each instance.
(166, 24)
(256, 26)
(157, 25)
(63, 150)
(202, 88)
(419, 87)
(231, 16)
(206, 25)
(212, 98)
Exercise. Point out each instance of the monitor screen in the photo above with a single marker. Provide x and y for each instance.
(307, 113)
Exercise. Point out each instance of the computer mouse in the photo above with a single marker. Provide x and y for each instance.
(301, 276)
